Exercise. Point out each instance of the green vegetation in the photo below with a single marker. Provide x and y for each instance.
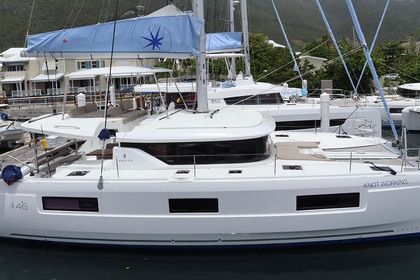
(389, 57)
(302, 23)
(301, 18)
(275, 65)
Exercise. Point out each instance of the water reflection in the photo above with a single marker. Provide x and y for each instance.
(385, 259)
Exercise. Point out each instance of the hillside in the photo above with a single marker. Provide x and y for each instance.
(303, 22)
(300, 17)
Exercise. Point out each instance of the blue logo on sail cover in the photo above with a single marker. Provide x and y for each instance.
(154, 40)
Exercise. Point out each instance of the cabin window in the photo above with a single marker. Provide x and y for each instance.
(220, 152)
(327, 201)
(409, 93)
(291, 125)
(193, 205)
(84, 204)
(270, 98)
(396, 110)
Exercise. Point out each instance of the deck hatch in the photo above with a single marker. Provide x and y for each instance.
(327, 201)
(292, 167)
(84, 204)
(193, 205)
(78, 173)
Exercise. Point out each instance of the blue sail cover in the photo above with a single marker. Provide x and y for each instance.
(223, 42)
(154, 37)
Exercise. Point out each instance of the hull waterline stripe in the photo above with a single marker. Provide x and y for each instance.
(199, 241)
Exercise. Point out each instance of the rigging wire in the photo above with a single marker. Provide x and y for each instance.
(224, 18)
(331, 33)
(102, 9)
(29, 24)
(100, 183)
(281, 67)
(71, 13)
(146, 7)
(325, 63)
(139, 6)
(81, 6)
(107, 10)
(366, 52)
(296, 67)
(398, 71)
(373, 42)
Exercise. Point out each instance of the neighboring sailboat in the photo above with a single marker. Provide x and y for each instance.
(409, 106)
(403, 106)
(243, 93)
(11, 133)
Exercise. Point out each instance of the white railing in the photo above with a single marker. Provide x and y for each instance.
(18, 93)
(27, 101)
(35, 92)
(55, 91)
(81, 89)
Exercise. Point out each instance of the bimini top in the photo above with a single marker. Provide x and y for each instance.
(116, 71)
(411, 86)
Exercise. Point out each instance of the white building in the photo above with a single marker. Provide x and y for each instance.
(30, 77)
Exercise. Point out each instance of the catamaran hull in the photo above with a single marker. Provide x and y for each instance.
(235, 212)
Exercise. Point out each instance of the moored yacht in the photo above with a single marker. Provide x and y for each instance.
(407, 95)
(213, 179)
(245, 94)
(206, 178)
(410, 118)
(11, 133)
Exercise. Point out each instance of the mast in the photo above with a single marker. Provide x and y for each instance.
(201, 71)
(244, 17)
(232, 29)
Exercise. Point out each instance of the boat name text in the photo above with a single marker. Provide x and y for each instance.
(390, 183)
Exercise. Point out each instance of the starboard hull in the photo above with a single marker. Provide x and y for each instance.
(214, 213)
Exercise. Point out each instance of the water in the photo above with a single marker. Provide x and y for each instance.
(380, 260)
(394, 259)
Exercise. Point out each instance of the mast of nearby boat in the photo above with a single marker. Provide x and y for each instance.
(372, 68)
(202, 103)
(232, 29)
(244, 18)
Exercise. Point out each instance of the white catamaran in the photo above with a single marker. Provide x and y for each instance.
(204, 178)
